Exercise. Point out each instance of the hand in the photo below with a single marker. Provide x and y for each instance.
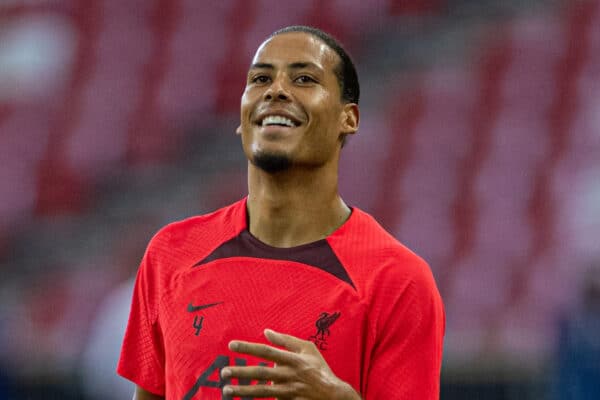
(300, 371)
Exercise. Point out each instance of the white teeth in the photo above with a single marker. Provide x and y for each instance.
(277, 120)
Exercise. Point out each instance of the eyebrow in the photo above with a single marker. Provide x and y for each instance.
(295, 65)
(262, 66)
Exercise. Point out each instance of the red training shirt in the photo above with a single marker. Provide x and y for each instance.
(369, 304)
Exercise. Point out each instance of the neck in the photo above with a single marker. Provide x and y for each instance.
(294, 207)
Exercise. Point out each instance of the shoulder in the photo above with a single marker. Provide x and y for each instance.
(203, 229)
(393, 281)
(187, 241)
(375, 259)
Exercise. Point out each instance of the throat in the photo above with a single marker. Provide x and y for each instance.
(294, 225)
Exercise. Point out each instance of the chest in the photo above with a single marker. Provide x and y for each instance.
(237, 298)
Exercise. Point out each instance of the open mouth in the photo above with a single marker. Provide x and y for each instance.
(278, 120)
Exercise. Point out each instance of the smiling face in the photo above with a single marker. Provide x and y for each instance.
(292, 113)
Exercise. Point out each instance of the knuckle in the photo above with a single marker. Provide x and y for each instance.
(242, 390)
(294, 388)
(285, 373)
(262, 373)
(270, 351)
(239, 346)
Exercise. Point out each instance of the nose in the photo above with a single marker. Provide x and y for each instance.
(277, 91)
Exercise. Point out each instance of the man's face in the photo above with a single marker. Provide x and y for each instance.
(291, 108)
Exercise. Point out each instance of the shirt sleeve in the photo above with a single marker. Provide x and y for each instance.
(142, 353)
(406, 360)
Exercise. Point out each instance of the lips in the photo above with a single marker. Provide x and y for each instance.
(282, 118)
(277, 120)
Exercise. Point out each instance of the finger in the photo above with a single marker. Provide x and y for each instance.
(263, 351)
(257, 391)
(289, 342)
(259, 373)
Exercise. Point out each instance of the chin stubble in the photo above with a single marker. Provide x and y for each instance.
(270, 162)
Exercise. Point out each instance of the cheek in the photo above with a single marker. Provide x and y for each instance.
(325, 123)
(244, 110)
(329, 108)
(246, 105)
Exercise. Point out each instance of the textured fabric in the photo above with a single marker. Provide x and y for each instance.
(368, 303)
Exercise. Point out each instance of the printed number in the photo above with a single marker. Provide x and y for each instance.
(219, 363)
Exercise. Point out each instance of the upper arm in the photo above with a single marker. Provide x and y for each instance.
(406, 360)
(141, 394)
(142, 352)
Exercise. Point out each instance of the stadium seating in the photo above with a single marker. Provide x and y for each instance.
(485, 164)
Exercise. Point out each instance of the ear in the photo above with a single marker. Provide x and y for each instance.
(238, 130)
(349, 118)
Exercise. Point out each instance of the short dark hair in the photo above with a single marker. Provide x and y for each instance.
(345, 71)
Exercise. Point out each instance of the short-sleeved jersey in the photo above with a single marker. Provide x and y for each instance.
(367, 302)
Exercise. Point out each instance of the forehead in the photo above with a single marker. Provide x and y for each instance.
(292, 47)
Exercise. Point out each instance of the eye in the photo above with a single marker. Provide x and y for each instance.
(305, 79)
(260, 79)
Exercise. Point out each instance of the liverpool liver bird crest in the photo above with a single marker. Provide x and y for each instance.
(323, 323)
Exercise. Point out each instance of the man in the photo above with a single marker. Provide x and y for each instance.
(288, 293)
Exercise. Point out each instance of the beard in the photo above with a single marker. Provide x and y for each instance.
(271, 162)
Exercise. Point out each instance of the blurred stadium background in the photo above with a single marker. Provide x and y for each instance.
(479, 147)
